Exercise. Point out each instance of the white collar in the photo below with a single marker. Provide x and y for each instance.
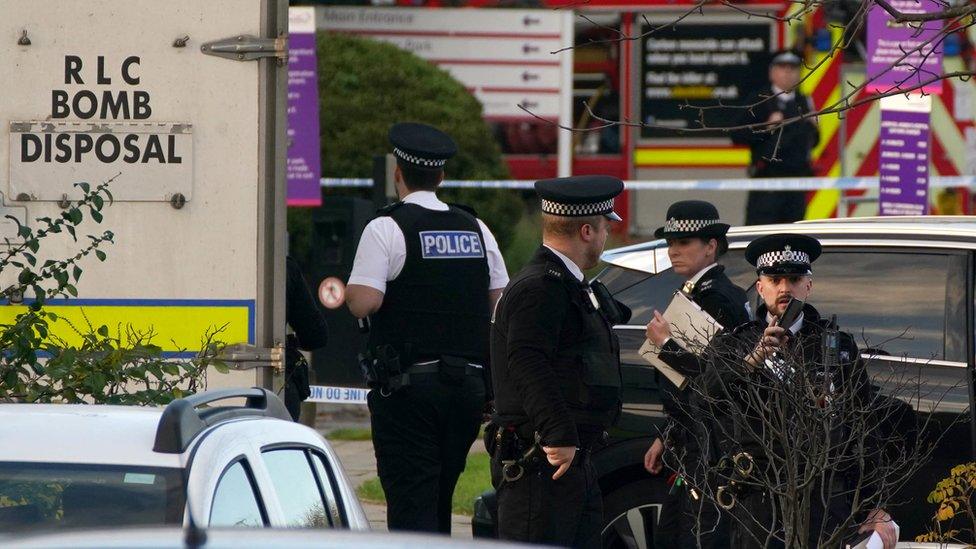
(425, 199)
(795, 328)
(694, 280)
(570, 264)
(783, 95)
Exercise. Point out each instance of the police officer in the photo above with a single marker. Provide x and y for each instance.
(428, 274)
(783, 152)
(556, 372)
(696, 240)
(773, 354)
(311, 332)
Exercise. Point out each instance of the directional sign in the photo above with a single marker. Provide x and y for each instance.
(506, 58)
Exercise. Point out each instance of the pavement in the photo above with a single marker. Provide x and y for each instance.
(359, 463)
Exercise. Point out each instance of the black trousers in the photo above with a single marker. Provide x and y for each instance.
(536, 509)
(421, 435)
(768, 207)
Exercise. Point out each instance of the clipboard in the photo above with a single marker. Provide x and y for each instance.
(691, 328)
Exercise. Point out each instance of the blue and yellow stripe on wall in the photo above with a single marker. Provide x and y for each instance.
(179, 324)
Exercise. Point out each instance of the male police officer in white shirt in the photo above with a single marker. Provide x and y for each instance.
(427, 274)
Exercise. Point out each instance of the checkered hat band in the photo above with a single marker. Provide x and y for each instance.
(577, 210)
(419, 161)
(772, 259)
(687, 225)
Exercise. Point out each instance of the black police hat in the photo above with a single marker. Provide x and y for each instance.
(786, 57)
(580, 196)
(783, 254)
(421, 146)
(692, 218)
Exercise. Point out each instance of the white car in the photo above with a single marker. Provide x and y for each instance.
(205, 460)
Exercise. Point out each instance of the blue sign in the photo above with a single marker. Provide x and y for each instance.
(451, 245)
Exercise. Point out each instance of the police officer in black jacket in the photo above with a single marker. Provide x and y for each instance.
(311, 332)
(556, 372)
(782, 152)
(696, 240)
(767, 357)
(428, 273)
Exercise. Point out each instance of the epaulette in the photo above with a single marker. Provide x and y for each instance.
(553, 271)
(388, 209)
(464, 207)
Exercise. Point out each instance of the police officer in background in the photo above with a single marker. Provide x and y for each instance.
(311, 332)
(556, 372)
(783, 152)
(696, 240)
(427, 273)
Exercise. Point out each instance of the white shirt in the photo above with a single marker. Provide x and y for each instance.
(694, 280)
(570, 264)
(382, 249)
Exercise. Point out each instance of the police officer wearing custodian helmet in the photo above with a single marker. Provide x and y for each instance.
(427, 273)
(556, 372)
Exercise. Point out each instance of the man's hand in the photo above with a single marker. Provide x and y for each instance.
(775, 117)
(561, 457)
(658, 329)
(880, 522)
(773, 338)
(652, 459)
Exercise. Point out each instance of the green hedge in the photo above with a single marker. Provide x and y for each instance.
(366, 86)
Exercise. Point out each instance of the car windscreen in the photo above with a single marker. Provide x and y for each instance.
(42, 496)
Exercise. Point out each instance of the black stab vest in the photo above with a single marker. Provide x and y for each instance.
(438, 304)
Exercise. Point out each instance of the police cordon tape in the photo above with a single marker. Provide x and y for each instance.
(337, 395)
(741, 184)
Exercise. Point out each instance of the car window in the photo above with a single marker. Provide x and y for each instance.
(298, 493)
(901, 302)
(51, 495)
(235, 502)
(329, 488)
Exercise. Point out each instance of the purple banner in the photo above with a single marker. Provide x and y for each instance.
(904, 162)
(304, 152)
(904, 56)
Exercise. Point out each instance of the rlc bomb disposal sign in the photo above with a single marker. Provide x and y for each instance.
(100, 124)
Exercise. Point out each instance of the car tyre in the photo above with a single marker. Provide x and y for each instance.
(632, 512)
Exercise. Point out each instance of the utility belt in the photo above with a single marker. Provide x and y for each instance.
(384, 371)
(520, 451)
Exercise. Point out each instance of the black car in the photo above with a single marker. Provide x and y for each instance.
(906, 283)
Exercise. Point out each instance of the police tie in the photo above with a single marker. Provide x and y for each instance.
(688, 287)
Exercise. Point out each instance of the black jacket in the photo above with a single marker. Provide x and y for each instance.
(784, 152)
(847, 429)
(840, 386)
(555, 359)
(725, 302)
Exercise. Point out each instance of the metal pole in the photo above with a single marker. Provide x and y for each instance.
(565, 161)
(379, 181)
